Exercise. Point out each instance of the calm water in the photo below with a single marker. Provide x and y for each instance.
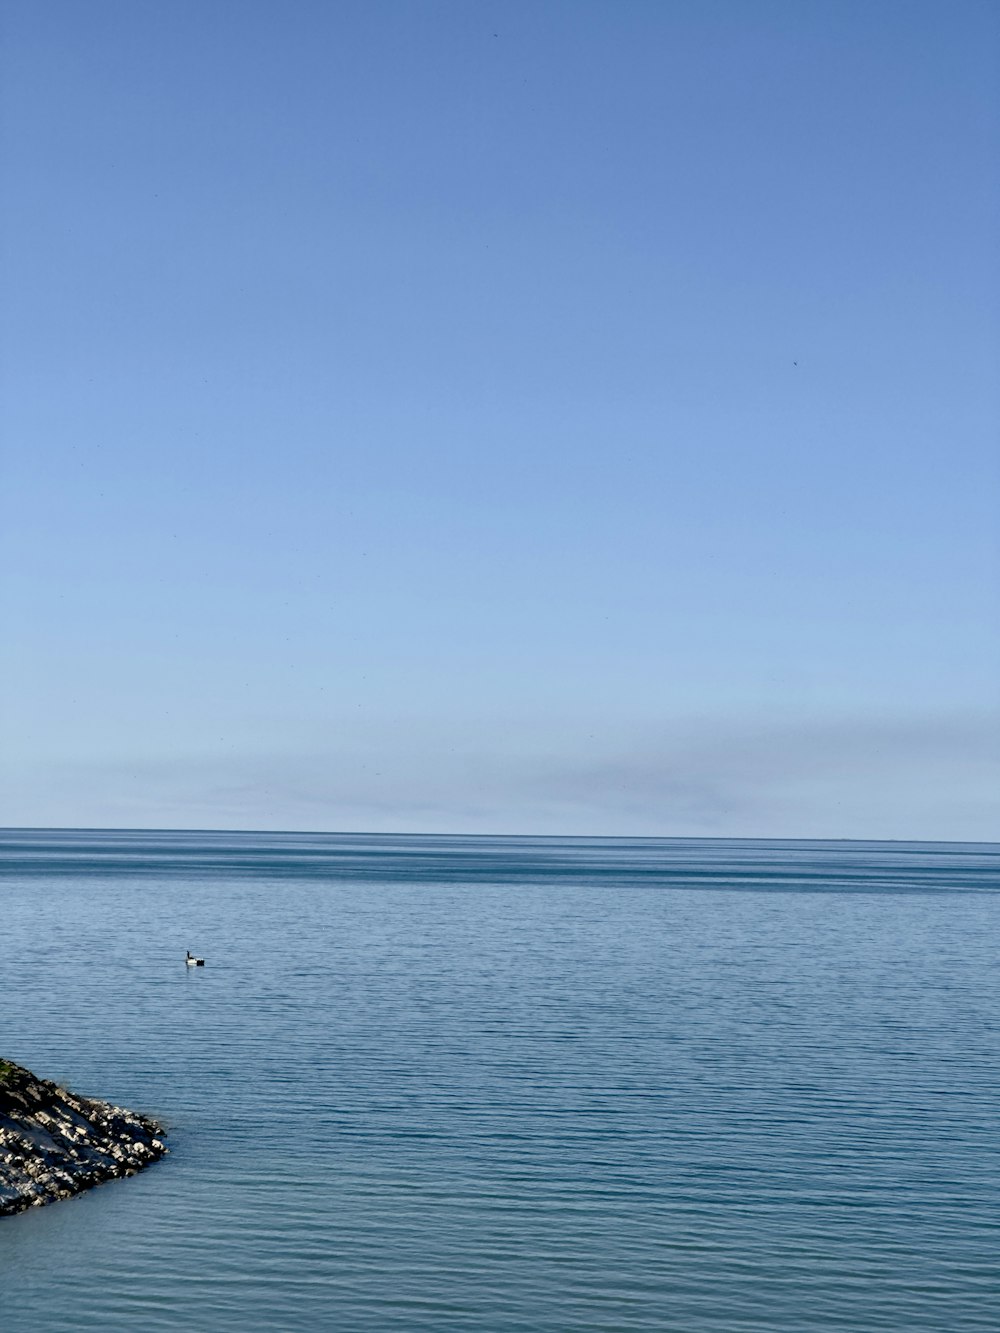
(514, 1085)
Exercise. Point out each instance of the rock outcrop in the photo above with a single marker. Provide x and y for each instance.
(53, 1144)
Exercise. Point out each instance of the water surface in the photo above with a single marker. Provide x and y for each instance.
(513, 1085)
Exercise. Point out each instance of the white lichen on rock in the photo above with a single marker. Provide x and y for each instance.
(53, 1143)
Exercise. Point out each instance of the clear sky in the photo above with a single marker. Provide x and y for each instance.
(550, 416)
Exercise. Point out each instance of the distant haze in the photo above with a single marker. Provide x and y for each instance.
(563, 417)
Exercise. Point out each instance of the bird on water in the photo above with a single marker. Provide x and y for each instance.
(192, 961)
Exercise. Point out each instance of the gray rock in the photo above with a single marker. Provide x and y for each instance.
(53, 1144)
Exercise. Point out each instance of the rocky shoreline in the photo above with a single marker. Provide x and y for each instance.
(54, 1144)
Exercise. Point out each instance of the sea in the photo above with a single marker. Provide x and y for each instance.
(513, 1085)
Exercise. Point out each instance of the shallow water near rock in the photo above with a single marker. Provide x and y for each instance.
(511, 1085)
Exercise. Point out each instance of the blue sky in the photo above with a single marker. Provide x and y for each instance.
(528, 417)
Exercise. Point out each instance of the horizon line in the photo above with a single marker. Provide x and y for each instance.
(554, 837)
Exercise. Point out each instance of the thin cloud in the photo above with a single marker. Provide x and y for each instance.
(923, 777)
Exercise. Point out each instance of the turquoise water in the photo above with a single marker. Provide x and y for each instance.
(514, 1085)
